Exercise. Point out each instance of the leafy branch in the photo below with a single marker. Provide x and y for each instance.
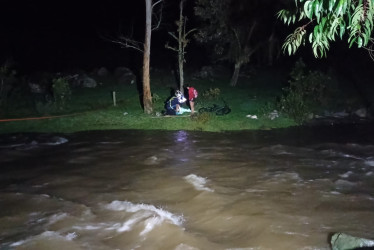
(327, 19)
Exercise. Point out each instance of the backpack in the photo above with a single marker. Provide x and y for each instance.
(195, 94)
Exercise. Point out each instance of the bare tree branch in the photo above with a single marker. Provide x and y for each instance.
(159, 1)
(251, 31)
(190, 31)
(126, 42)
(173, 35)
(237, 39)
(157, 17)
(172, 48)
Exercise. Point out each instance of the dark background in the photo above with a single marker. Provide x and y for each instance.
(61, 35)
(56, 35)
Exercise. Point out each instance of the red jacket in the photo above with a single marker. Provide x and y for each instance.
(192, 93)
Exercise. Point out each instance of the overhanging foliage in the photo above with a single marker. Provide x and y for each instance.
(325, 20)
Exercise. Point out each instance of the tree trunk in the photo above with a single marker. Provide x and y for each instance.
(235, 76)
(147, 97)
(180, 46)
(181, 75)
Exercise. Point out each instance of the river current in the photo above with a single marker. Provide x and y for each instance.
(282, 189)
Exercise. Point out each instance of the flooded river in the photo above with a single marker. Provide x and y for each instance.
(285, 189)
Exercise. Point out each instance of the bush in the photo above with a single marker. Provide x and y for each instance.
(306, 91)
(267, 108)
(61, 91)
(201, 117)
(156, 98)
(212, 93)
(7, 78)
(45, 107)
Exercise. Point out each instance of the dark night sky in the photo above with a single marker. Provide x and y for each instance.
(56, 35)
(65, 33)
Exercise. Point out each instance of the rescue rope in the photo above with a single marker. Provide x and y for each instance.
(37, 118)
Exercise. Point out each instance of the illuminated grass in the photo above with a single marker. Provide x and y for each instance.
(92, 109)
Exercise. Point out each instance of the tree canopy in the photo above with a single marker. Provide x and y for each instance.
(323, 21)
(233, 29)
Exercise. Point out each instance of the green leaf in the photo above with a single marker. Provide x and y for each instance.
(302, 15)
(316, 9)
(345, 6)
(315, 31)
(339, 8)
(359, 42)
(331, 4)
(341, 29)
(311, 37)
(366, 39)
(308, 10)
(323, 22)
(352, 41)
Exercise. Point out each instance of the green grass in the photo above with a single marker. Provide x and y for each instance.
(92, 109)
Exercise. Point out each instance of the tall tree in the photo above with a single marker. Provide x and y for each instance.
(322, 21)
(128, 42)
(233, 27)
(182, 42)
(147, 96)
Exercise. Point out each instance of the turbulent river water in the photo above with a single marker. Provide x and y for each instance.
(282, 189)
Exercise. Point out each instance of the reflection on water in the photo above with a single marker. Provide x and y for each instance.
(286, 189)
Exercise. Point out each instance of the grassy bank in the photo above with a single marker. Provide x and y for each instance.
(92, 109)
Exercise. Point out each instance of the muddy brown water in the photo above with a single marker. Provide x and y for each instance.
(282, 189)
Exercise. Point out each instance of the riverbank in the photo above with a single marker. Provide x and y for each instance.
(122, 118)
(253, 104)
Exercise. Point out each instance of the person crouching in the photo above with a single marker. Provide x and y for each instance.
(173, 104)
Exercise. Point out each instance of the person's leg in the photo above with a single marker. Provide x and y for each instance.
(192, 106)
(170, 112)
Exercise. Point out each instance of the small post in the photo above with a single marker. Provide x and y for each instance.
(114, 98)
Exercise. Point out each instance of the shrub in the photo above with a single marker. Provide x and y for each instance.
(212, 93)
(45, 107)
(61, 91)
(306, 90)
(201, 117)
(267, 108)
(156, 97)
(6, 79)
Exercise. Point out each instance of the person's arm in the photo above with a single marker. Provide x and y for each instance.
(182, 99)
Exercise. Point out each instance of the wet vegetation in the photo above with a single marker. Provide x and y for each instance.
(265, 98)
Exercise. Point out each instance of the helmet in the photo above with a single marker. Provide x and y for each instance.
(178, 93)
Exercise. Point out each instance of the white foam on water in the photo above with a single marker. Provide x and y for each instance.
(150, 223)
(56, 140)
(183, 246)
(88, 227)
(198, 182)
(286, 176)
(149, 215)
(351, 156)
(46, 235)
(346, 175)
(254, 190)
(344, 184)
(56, 217)
(370, 163)
(18, 243)
(128, 225)
(335, 193)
